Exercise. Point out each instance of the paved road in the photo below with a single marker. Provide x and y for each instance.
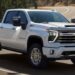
(16, 62)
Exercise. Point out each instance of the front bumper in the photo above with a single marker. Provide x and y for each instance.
(57, 52)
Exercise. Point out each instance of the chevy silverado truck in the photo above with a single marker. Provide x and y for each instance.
(42, 34)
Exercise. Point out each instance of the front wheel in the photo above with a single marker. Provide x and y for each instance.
(35, 56)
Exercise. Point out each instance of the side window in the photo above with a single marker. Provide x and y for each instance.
(23, 18)
(10, 16)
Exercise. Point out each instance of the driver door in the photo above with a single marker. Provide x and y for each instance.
(13, 36)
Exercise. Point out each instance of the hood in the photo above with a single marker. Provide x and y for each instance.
(58, 24)
(53, 26)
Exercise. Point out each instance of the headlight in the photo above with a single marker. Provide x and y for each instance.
(52, 35)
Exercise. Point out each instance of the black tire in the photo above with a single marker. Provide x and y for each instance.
(0, 47)
(43, 62)
(73, 60)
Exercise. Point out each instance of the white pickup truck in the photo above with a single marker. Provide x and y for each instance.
(42, 34)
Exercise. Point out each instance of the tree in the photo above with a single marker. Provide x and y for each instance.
(0, 9)
(35, 4)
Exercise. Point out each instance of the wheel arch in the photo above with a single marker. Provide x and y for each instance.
(34, 39)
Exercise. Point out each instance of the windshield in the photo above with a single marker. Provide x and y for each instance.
(46, 16)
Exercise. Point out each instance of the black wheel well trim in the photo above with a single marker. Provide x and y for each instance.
(0, 46)
(34, 36)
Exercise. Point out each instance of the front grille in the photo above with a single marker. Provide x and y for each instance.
(66, 37)
(68, 53)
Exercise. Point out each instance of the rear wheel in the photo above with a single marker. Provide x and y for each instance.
(35, 56)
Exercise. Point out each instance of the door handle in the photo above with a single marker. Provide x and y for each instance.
(13, 28)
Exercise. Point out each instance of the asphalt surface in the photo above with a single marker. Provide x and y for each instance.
(16, 62)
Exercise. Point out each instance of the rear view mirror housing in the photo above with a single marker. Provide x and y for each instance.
(16, 21)
(73, 20)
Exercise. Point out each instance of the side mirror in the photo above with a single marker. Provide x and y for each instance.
(73, 20)
(23, 25)
(16, 21)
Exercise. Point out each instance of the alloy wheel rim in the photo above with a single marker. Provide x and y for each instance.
(36, 56)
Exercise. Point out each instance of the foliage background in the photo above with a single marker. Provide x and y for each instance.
(8, 4)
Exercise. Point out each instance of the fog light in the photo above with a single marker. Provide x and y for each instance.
(51, 52)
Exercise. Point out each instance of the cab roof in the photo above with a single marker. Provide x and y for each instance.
(30, 10)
